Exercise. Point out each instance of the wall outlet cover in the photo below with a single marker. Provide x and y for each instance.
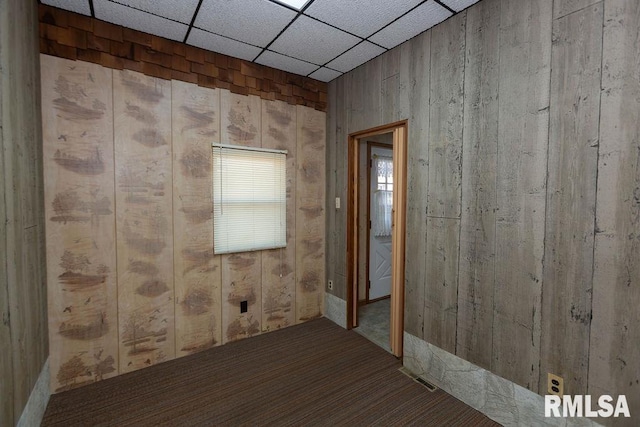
(555, 384)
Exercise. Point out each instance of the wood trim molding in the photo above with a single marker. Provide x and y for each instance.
(400, 140)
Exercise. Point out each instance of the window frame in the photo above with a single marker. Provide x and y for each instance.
(280, 200)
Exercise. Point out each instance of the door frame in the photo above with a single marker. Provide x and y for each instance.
(398, 236)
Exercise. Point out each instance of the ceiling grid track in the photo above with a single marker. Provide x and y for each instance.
(322, 40)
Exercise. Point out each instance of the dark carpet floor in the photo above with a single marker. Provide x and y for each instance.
(311, 374)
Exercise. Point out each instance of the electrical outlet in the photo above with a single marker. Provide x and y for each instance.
(330, 285)
(555, 384)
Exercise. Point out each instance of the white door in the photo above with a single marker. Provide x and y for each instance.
(381, 196)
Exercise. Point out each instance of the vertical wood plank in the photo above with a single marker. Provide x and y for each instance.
(279, 265)
(337, 253)
(479, 163)
(310, 205)
(6, 363)
(563, 8)
(142, 123)
(417, 84)
(440, 297)
(80, 228)
(195, 125)
(332, 240)
(445, 122)
(525, 53)
(444, 179)
(571, 196)
(614, 355)
(241, 272)
(365, 96)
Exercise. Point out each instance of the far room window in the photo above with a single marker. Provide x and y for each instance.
(249, 199)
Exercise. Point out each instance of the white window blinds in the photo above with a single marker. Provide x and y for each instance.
(249, 199)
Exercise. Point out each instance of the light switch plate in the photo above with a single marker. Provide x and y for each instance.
(337, 202)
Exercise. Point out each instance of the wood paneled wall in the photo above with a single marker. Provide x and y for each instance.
(23, 297)
(132, 277)
(522, 170)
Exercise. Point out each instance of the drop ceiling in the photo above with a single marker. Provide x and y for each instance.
(322, 39)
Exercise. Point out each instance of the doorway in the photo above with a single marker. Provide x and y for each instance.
(386, 230)
(375, 181)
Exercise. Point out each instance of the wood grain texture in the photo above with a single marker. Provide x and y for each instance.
(563, 8)
(337, 253)
(525, 52)
(479, 164)
(310, 211)
(198, 291)
(614, 352)
(395, 84)
(365, 96)
(445, 117)
(241, 123)
(279, 132)
(23, 294)
(440, 296)
(332, 191)
(571, 196)
(80, 215)
(418, 55)
(146, 312)
(444, 182)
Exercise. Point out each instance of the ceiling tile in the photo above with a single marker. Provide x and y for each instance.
(138, 20)
(78, 6)
(286, 63)
(182, 10)
(296, 4)
(356, 56)
(313, 41)
(223, 45)
(325, 74)
(459, 5)
(415, 22)
(359, 17)
(256, 22)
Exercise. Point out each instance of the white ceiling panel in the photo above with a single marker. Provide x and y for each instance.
(182, 10)
(459, 5)
(78, 6)
(313, 41)
(418, 20)
(216, 43)
(325, 74)
(360, 17)
(356, 56)
(298, 4)
(255, 22)
(329, 38)
(286, 63)
(138, 20)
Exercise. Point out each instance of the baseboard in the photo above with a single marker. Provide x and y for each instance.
(335, 309)
(501, 400)
(36, 405)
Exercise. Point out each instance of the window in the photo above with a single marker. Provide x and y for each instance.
(383, 196)
(249, 199)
